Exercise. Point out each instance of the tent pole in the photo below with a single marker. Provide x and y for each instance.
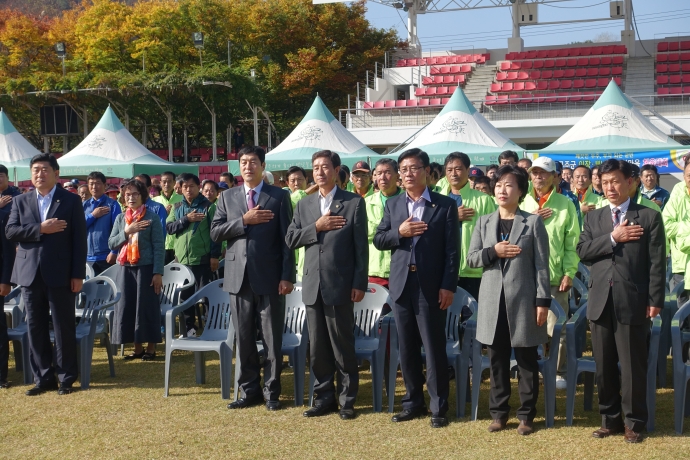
(170, 136)
(213, 134)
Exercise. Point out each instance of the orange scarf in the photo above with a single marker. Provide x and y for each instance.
(130, 251)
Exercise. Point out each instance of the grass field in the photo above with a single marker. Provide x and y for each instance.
(128, 417)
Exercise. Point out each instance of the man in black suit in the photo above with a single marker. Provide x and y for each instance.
(332, 227)
(625, 244)
(50, 265)
(6, 262)
(421, 229)
(259, 272)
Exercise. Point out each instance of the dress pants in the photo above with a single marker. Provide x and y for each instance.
(42, 304)
(268, 312)
(420, 324)
(4, 343)
(202, 276)
(562, 299)
(624, 394)
(528, 368)
(332, 349)
(169, 256)
(99, 266)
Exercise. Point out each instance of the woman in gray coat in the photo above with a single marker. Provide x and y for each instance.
(141, 247)
(512, 247)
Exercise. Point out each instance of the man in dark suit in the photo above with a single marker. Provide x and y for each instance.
(259, 272)
(625, 244)
(332, 226)
(6, 262)
(421, 229)
(50, 265)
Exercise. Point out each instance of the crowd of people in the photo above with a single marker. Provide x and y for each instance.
(512, 236)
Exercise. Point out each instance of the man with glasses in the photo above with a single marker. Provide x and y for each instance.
(361, 178)
(100, 212)
(421, 230)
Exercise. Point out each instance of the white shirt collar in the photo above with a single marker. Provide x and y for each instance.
(256, 189)
(330, 194)
(623, 206)
(49, 195)
(425, 195)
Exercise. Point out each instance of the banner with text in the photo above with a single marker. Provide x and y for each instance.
(667, 161)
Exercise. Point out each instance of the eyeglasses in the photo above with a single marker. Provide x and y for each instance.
(411, 169)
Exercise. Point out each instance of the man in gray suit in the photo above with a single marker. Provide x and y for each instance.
(332, 226)
(625, 243)
(259, 272)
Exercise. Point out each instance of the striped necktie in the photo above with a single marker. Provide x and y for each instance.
(616, 217)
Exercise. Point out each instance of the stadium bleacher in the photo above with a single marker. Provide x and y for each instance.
(672, 70)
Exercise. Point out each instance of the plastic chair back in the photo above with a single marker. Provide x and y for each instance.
(176, 278)
(367, 313)
(89, 272)
(579, 288)
(295, 316)
(218, 320)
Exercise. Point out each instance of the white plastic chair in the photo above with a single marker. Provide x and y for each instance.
(89, 272)
(218, 336)
(19, 336)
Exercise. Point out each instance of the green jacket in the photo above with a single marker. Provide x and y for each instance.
(379, 261)
(677, 226)
(563, 229)
(174, 199)
(482, 204)
(590, 197)
(299, 253)
(192, 240)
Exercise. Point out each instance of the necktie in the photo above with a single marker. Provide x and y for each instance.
(250, 204)
(616, 217)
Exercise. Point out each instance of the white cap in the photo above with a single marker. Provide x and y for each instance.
(268, 177)
(545, 163)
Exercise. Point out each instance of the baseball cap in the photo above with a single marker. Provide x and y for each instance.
(476, 172)
(545, 163)
(223, 185)
(361, 166)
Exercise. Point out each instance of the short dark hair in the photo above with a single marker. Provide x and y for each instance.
(490, 167)
(520, 175)
(342, 176)
(80, 185)
(146, 177)
(229, 176)
(437, 168)
(332, 156)
(595, 168)
(45, 158)
(3, 169)
(464, 159)
(527, 160)
(415, 153)
(482, 180)
(612, 165)
(649, 167)
(387, 162)
(169, 173)
(212, 182)
(96, 175)
(186, 177)
(296, 169)
(508, 154)
(252, 150)
(139, 185)
(345, 168)
(589, 171)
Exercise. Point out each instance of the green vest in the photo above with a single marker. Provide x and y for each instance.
(677, 226)
(174, 199)
(379, 261)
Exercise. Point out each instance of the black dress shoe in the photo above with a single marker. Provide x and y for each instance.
(40, 389)
(347, 414)
(439, 421)
(320, 410)
(243, 403)
(273, 405)
(66, 389)
(4, 384)
(410, 414)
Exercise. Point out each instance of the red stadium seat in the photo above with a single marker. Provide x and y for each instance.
(495, 88)
(558, 73)
(490, 100)
(617, 60)
(467, 68)
(538, 65)
(422, 102)
(431, 61)
(523, 76)
(574, 52)
(572, 62)
(460, 79)
(217, 169)
(419, 92)
(685, 67)
(547, 74)
(604, 72)
(438, 79)
(512, 76)
(505, 65)
(442, 60)
(563, 97)
(617, 71)
(597, 50)
(686, 89)
(560, 62)
(451, 89)
(620, 49)
(609, 49)
(661, 68)
(511, 55)
(549, 64)
(368, 105)
(515, 65)
(445, 100)
(534, 75)
(566, 84)
(674, 46)
(463, 59)
(411, 103)
(542, 85)
(445, 69)
(685, 46)
(585, 51)
(431, 91)
(550, 98)
(675, 90)
(554, 84)
(502, 99)
(532, 54)
(390, 104)
(552, 54)
(575, 97)
(538, 98)
(592, 72)
(454, 69)
(590, 83)
(379, 104)
(606, 60)
(435, 101)
(501, 76)
(435, 70)
(442, 90)
(685, 57)
(449, 79)
(401, 63)
(580, 73)
(686, 79)
(618, 80)
(674, 79)
(588, 96)
(565, 52)
(569, 73)
(513, 98)
(542, 54)
(530, 86)
(594, 61)
(673, 57)
(526, 65)
(411, 62)
(674, 68)
(422, 61)
(507, 87)
(602, 82)
(583, 62)
(519, 86)
(427, 81)
(662, 91)
(662, 47)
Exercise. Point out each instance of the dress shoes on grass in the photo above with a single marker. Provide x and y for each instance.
(321, 410)
(244, 403)
(40, 389)
(410, 414)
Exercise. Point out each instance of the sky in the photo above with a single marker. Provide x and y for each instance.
(490, 28)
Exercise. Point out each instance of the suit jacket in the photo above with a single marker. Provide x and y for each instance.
(336, 261)
(9, 252)
(437, 252)
(60, 256)
(257, 250)
(635, 271)
(523, 279)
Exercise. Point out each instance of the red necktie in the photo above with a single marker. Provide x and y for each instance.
(250, 204)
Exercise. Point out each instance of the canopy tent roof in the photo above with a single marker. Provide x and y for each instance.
(460, 128)
(112, 150)
(15, 151)
(612, 125)
(318, 130)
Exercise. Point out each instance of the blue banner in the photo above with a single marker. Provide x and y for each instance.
(667, 161)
